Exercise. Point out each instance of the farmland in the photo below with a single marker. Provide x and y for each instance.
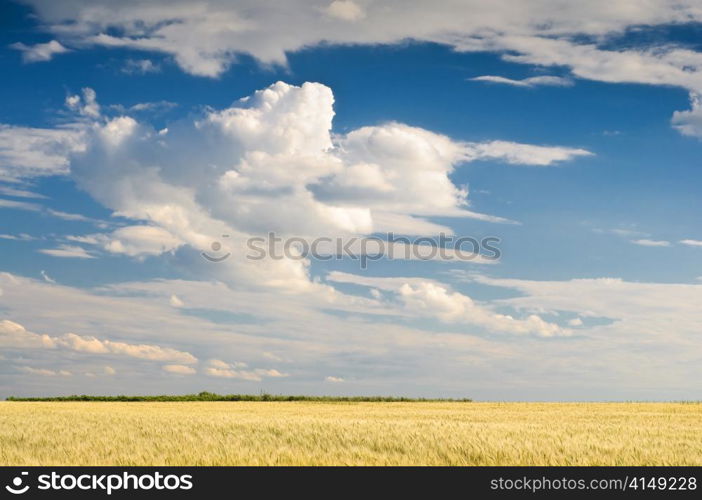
(349, 433)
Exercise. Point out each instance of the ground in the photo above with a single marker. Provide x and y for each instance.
(310, 433)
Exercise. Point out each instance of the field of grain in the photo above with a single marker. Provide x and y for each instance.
(305, 433)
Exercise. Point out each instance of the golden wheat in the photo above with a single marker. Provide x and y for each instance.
(304, 433)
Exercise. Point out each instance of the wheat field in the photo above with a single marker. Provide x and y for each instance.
(306, 433)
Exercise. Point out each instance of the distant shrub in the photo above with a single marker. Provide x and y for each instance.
(209, 396)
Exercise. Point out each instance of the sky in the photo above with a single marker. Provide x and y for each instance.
(144, 144)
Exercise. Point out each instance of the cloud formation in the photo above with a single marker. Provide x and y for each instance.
(435, 300)
(32, 152)
(39, 52)
(15, 335)
(651, 243)
(218, 368)
(68, 252)
(179, 369)
(690, 122)
(533, 81)
(205, 37)
(270, 162)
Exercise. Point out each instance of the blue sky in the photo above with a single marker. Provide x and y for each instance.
(125, 150)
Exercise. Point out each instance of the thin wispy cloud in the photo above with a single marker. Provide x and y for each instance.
(533, 81)
(644, 242)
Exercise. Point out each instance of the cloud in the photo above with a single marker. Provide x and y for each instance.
(32, 152)
(205, 37)
(621, 232)
(39, 52)
(639, 311)
(334, 380)
(691, 243)
(575, 322)
(270, 372)
(690, 122)
(175, 301)
(69, 216)
(268, 163)
(534, 81)
(45, 372)
(134, 241)
(18, 237)
(108, 370)
(427, 298)
(140, 66)
(46, 277)
(380, 345)
(218, 368)
(19, 193)
(86, 104)
(67, 251)
(523, 154)
(179, 369)
(651, 243)
(14, 335)
(19, 205)
(155, 106)
(346, 10)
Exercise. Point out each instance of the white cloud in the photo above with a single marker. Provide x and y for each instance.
(67, 251)
(273, 357)
(534, 81)
(218, 363)
(140, 66)
(334, 380)
(135, 241)
(270, 162)
(46, 277)
(691, 243)
(523, 154)
(348, 10)
(19, 193)
(270, 372)
(175, 301)
(19, 205)
(39, 52)
(108, 370)
(651, 243)
(32, 152)
(690, 122)
(86, 105)
(381, 346)
(642, 311)
(69, 216)
(432, 299)
(218, 368)
(228, 373)
(45, 372)
(205, 36)
(153, 107)
(622, 232)
(14, 335)
(179, 369)
(18, 237)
